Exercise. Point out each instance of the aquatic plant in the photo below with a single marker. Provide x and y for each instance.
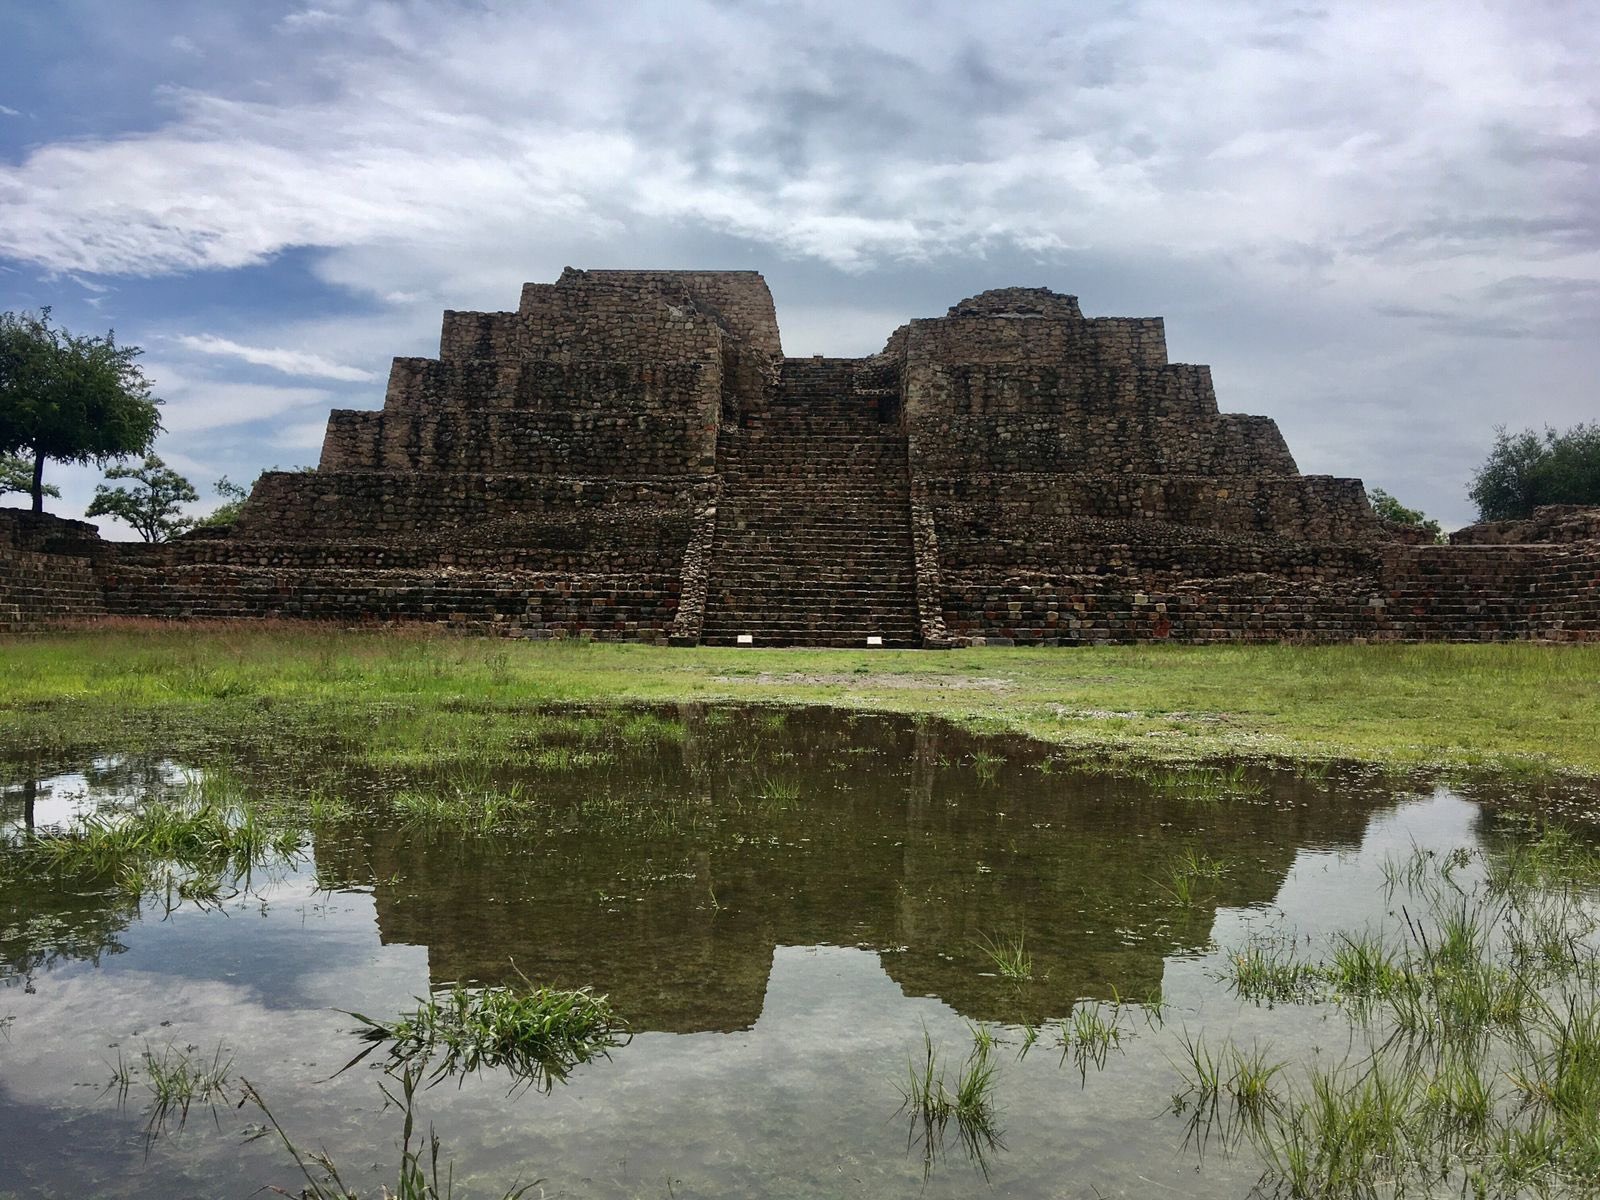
(932, 1104)
(1267, 970)
(1088, 1036)
(464, 803)
(1475, 1059)
(418, 1174)
(1009, 956)
(536, 1034)
(177, 1080)
(986, 764)
(188, 844)
(778, 792)
(1188, 875)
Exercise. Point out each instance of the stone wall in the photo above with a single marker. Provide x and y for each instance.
(612, 607)
(1016, 515)
(1021, 414)
(47, 571)
(464, 512)
(1549, 523)
(589, 419)
(1409, 593)
(1108, 420)
(592, 462)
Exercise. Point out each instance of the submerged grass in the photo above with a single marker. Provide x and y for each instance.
(192, 846)
(1475, 1023)
(1009, 956)
(1527, 710)
(176, 1080)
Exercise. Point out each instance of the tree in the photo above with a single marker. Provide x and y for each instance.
(1391, 510)
(153, 508)
(70, 398)
(16, 475)
(1527, 469)
(235, 494)
(233, 497)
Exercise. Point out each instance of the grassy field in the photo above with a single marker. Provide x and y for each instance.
(1495, 707)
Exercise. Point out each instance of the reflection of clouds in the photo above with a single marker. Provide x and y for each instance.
(1323, 885)
(106, 782)
(802, 1101)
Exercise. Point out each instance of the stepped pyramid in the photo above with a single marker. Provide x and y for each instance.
(630, 456)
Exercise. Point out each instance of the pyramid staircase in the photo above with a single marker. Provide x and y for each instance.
(813, 537)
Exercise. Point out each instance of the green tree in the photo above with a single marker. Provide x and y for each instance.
(233, 497)
(235, 494)
(154, 506)
(70, 398)
(1527, 469)
(1391, 510)
(16, 475)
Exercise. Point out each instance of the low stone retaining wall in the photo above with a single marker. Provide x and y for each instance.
(511, 604)
(47, 571)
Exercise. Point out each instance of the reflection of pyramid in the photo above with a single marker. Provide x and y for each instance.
(894, 843)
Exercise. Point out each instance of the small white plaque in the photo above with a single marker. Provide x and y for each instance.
(747, 639)
(874, 640)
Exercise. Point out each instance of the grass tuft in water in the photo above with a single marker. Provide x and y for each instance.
(778, 793)
(1009, 956)
(536, 1034)
(1089, 1036)
(932, 1104)
(1474, 1065)
(194, 845)
(177, 1080)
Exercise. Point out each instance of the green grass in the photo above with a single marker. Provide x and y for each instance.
(1090, 1035)
(1525, 710)
(1473, 1063)
(192, 847)
(534, 1034)
(933, 1104)
(1009, 956)
(177, 1080)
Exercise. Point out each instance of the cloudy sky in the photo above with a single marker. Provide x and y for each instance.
(1379, 222)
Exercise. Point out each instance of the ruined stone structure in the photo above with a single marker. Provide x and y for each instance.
(629, 455)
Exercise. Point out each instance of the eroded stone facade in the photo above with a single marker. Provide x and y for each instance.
(629, 455)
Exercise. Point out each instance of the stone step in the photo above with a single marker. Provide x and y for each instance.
(805, 526)
(807, 544)
(894, 576)
(848, 636)
(802, 591)
(819, 640)
(813, 539)
(751, 619)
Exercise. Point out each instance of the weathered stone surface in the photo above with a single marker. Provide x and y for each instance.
(629, 455)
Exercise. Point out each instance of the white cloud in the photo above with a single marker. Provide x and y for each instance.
(290, 362)
(302, 435)
(1354, 194)
(8, 112)
(1373, 134)
(196, 404)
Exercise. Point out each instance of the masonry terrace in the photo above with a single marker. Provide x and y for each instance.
(630, 456)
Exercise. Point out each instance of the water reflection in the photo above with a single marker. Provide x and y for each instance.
(778, 909)
(673, 897)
